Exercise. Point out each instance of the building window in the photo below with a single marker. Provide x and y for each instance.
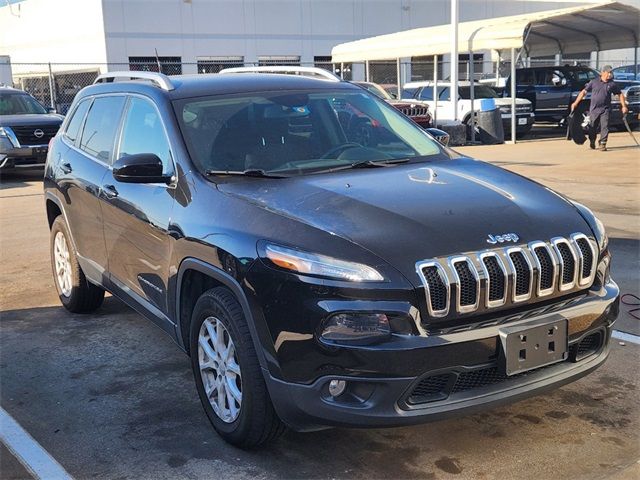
(279, 60)
(169, 65)
(215, 64)
(464, 67)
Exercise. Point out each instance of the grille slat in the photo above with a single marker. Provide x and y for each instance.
(546, 272)
(587, 257)
(437, 289)
(527, 271)
(496, 279)
(522, 273)
(568, 263)
(468, 284)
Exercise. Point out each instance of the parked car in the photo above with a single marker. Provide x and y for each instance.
(25, 129)
(423, 91)
(627, 72)
(418, 112)
(552, 90)
(314, 281)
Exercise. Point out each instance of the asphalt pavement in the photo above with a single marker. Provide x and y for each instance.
(108, 395)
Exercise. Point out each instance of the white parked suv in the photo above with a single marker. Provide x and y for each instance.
(423, 91)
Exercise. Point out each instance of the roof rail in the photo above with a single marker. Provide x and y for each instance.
(315, 72)
(159, 79)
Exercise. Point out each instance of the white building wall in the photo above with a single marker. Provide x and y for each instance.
(252, 28)
(99, 31)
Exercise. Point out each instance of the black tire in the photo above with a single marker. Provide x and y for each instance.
(84, 296)
(257, 421)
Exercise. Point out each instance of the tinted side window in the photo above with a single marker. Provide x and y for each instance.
(143, 133)
(525, 77)
(100, 128)
(73, 127)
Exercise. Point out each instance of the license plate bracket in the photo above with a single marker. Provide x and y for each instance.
(526, 347)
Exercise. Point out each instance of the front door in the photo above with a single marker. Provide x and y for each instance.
(136, 216)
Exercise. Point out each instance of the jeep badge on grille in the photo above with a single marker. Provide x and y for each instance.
(506, 237)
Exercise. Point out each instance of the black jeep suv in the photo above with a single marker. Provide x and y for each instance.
(315, 282)
(25, 130)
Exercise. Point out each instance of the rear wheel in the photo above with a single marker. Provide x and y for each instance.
(227, 372)
(76, 293)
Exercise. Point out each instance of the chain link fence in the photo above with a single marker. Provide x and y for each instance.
(55, 84)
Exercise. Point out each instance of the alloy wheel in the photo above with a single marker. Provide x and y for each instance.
(219, 369)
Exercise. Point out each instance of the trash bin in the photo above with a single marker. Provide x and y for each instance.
(490, 127)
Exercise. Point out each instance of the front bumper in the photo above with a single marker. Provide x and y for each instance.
(29, 156)
(382, 401)
(524, 121)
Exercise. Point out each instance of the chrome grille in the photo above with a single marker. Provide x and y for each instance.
(492, 278)
(415, 111)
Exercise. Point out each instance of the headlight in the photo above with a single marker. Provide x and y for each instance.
(3, 132)
(313, 264)
(505, 109)
(596, 225)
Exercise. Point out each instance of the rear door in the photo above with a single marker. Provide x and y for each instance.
(137, 215)
(90, 137)
(553, 92)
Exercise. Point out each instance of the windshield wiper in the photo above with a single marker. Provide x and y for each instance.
(251, 172)
(378, 163)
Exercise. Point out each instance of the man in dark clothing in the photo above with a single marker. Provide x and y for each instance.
(601, 89)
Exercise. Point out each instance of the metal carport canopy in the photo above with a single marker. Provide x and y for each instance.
(596, 27)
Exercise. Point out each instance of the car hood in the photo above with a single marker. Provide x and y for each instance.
(33, 119)
(412, 212)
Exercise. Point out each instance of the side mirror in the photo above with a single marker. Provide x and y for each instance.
(51, 110)
(440, 135)
(140, 168)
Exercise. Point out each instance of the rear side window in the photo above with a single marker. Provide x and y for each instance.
(73, 127)
(525, 77)
(143, 133)
(100, 128)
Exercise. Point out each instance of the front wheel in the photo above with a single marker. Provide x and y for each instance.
(227, 372)
(76, 293)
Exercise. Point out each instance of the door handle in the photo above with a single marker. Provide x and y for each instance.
(543, 91)
(66, 167)
(110, 191)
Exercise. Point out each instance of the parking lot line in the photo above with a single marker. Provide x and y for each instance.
(627, 337)
(35, 458)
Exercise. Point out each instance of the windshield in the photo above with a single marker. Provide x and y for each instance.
(19, 104)
(297, 132)
(479, 91)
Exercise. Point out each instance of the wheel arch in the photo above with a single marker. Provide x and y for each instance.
(194, 278)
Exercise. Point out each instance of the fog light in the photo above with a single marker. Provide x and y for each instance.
(356, 328)
(336, 387)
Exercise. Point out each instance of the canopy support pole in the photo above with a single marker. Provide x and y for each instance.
(472, 96)
(454, 58)
(513, 95)
(342, 70)
(399, 83)
(635, 61)
(366, 70)
(435, 91)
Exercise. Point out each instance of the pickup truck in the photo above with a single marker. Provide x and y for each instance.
(423, 91)
(552, 89)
